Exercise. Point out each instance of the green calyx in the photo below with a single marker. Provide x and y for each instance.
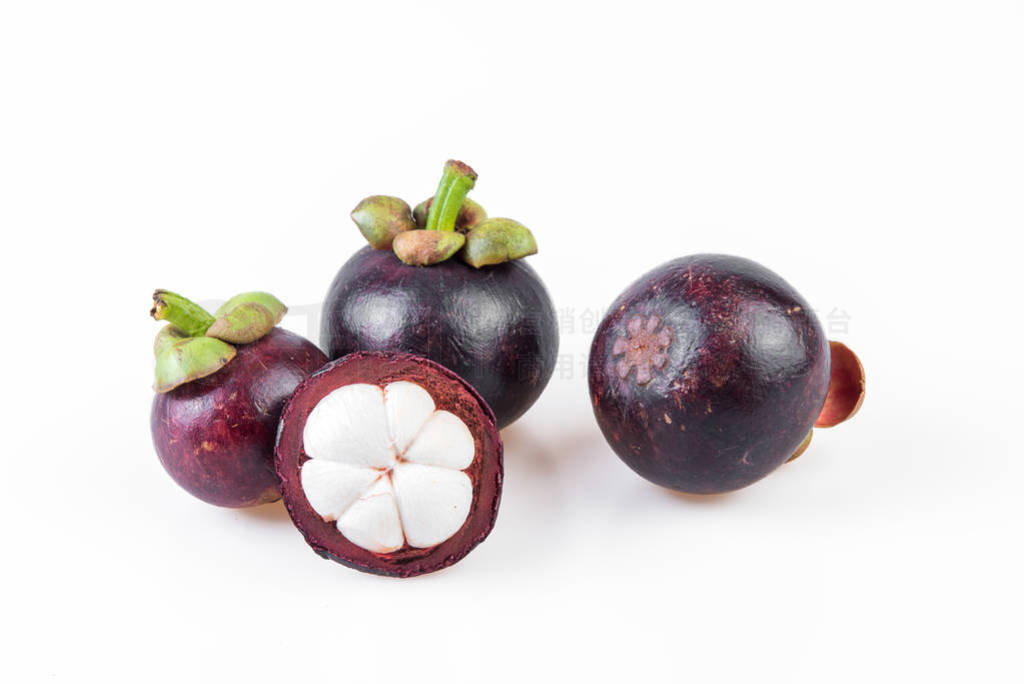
(243, 324)
(427, 247)
(196, 344)
(380, 218)
(470, 214)
(274, 305)
(443, 225)
(189, 359)
(496, 241)
(167, 336)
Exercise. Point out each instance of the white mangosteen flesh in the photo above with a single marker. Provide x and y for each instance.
(387, 467)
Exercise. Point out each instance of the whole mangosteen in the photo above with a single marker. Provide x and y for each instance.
(390, 464)
(221, 382)
(710, 371)
(449, 287)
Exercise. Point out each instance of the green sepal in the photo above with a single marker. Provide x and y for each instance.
(470, 214)
(496, 241)
(189, 359)
(274, 305)
(426, 247)
(380, 218)
(243, 324)
(167, 336)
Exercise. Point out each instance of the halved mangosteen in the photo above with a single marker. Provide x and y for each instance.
(390, 464)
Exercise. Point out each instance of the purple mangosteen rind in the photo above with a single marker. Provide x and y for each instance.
(708, 373)
(495, 327)
(214, 416)
(483, 314)
(215, 435)
(451, 393)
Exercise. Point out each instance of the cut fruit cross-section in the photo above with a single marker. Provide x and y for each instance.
(390, 464)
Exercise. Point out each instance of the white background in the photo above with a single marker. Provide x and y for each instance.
(870, 152)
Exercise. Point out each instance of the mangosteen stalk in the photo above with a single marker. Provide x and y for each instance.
(456, 182)
(182, 313)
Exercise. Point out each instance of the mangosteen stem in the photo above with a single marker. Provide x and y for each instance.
(456, 182)
(182, 313)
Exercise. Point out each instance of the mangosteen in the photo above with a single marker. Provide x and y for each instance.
(452, 288)
(711, 371)
(389, 463)
(221, 382)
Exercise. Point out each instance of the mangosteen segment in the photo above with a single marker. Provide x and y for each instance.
(390, 463)
(394, 469)
(372, 522)
(434, 502)
(408, 407)
(332, 487)
(443, 441)
(349, 425)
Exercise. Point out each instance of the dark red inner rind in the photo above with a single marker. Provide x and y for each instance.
(450, 393)
(846, 387)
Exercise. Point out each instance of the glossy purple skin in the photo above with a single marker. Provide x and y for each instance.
(215, 436)
(493, 326)
(744, 374)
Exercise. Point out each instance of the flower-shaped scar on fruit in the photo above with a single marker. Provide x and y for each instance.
(447, 283)
(711, 371)
(221, 382)
(390, 464)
